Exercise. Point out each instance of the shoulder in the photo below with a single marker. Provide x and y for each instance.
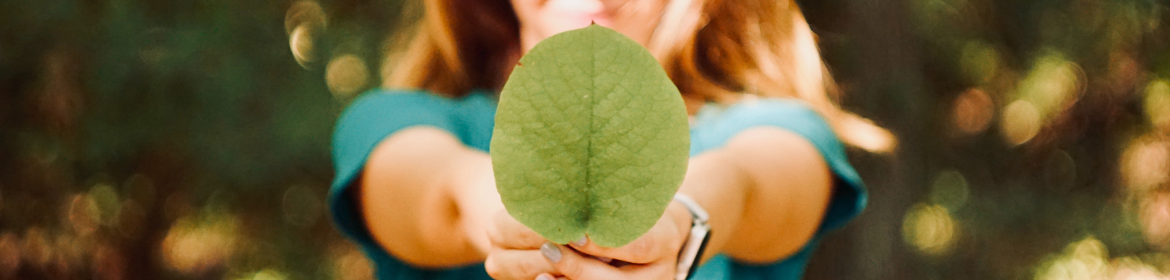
(379, 113)
(394, 107)
(716, 124)
(789, 114)
(382, 99)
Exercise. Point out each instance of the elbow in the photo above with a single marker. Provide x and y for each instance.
(778, 245)
(420, 256)
(429, 243)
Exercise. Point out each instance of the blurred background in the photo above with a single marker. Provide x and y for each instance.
(150, 139)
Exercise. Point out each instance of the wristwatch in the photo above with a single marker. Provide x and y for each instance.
(692, 250)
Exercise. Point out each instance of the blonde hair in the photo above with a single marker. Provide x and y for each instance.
(713, 50)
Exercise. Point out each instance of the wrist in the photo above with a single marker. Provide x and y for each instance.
(474, 198)
(682, 221)
(695, 241)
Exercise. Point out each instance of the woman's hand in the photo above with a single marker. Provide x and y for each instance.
(519, 253)
(652, 256)
(515, 250)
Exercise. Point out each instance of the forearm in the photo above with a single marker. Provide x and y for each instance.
(476, 199)
(721, 189)
(766, 191)
(414, 195)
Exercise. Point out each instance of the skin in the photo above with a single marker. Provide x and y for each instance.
(766, 190)
(541, 19)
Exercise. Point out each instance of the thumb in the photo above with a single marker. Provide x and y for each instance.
(576, 266)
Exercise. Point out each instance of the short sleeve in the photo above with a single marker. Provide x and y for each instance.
(849, 193)
(365, 123)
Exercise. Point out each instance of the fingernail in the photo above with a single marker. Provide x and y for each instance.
(543, 277)
(551, 252)
(580, 242)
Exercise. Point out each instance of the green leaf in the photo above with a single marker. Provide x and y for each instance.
(591, 138)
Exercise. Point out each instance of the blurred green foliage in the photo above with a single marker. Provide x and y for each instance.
(122, 119)
(1025, 132)
(189, 139)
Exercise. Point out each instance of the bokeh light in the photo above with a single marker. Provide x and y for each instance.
(980, 61)
(71, 253)
(36, 249)
(1020, 122)
(350, 264)
(304, 12)
(1052, 85)
(10, 256)
(267, 274)
(1082, 260)
(949, 190)
(346, 75)
(929, 228)
(1145, 164)
(1129, 268)
(83, 214)
(1050, 88)
(972, 112)
(304, 22)
(1155, 218)
(194, 245)
(1157, 104)
(302, 45)
(107, 203)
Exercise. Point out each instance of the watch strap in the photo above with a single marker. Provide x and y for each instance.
(697, 211)
(696, 243)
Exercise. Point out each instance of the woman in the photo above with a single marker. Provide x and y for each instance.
(414, 182)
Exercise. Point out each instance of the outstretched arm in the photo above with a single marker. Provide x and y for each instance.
(767, 191)
(425, 197)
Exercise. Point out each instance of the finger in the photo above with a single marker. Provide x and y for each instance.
(641, 251)
(547, 276)
(517, 264)
(576, 266)
(650, 247)
(508, 233)
(662, 241)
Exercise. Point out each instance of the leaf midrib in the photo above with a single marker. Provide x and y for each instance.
(592, 71)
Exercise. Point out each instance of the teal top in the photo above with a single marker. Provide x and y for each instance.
(378, 114)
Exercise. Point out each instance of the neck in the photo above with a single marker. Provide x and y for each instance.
(528, 39)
